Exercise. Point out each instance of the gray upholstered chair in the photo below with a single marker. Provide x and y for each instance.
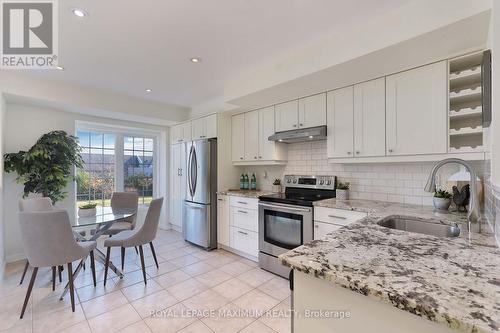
(36, 205)
(48, 242)
(123, 201)
(139, 237)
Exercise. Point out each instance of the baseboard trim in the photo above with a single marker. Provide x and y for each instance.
(14, 257)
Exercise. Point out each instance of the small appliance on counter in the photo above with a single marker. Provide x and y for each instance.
(286, 219)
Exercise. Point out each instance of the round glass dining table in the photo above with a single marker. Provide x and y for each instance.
(102, 221)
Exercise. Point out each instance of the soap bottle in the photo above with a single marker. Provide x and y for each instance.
(253, 182)
(242, 182)
(245, 182)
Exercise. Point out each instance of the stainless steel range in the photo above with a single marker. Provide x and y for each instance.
(286, 219)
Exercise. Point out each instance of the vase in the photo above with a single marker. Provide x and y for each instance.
(86, 212)
(441, 203)
(342, 194)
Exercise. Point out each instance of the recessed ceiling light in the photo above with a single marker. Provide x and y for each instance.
(195, 60)
(79, 12)
(149, 90)
(61, 68)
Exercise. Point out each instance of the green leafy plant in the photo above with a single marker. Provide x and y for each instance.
(343, 186)
(442, 194)
(47, 166)
(88, 206)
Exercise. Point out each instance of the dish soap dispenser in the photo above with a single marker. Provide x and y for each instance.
(253, 182)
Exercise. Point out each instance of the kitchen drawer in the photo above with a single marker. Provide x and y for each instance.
(322, 228)
(245, 241)
(242, 202)
(245, 218)
(336, 216)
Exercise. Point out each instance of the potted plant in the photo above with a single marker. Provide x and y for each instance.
(442, 199)
(342, 191)
(277, 185)
(46, 167)
(87, 210)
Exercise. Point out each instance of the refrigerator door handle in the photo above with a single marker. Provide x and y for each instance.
(195, 167)
(190, 172)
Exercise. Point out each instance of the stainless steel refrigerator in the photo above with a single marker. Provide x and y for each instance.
(199, 225)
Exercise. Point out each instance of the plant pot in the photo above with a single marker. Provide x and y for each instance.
(342, 194)
(441, 203)
(276, 188)
(86, 212)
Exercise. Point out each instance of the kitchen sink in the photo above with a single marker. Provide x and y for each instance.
(412, 224)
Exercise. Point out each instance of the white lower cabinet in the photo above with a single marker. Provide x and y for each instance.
(223, 220)
(245, 241)
(243, 226)
(327, 220)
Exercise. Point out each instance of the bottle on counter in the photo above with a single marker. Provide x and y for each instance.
(242, 182)
(253, 182)
(246, 182)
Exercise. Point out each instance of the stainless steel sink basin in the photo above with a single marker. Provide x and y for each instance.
(420, 226)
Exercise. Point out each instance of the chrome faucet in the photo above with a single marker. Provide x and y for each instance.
(473, 212)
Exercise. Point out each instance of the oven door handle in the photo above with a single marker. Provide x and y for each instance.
(287, 207)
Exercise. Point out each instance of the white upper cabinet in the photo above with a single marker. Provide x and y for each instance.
(250, 133)
(211, 126)
(312, 111)
(287, 116)
(198, 128)
(252, 136)
(340, 124)
(267, 148)
(416, 111)
(181, 133)
(204, 128)
(238, 138)
(369, 118)
(186, 132)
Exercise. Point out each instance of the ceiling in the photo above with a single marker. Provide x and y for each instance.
(127, 46)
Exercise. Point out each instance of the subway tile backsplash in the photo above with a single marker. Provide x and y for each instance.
(394, 182)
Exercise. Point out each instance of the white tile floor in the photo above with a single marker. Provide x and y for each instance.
(192, 291)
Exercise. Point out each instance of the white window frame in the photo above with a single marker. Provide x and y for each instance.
(159, 139)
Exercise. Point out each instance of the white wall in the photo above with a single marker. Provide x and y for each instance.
(25, 124)
(2, 227)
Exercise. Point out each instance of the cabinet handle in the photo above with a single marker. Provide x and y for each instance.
(260, 156)
(241, 158)
(243, 233)
(316, 226)
(349, 153)
(242, 212)
(301, 125)
(390, 150)
(294, 125)
(357, 152)
(242, 202)
(255, 157)
(337, 217)
(220, 199)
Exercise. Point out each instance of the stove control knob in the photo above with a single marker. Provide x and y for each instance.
(321, 182)
(328, 182)
(288, 180)
(295, 181)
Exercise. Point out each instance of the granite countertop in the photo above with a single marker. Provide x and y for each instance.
(452, 281)
(245, 193)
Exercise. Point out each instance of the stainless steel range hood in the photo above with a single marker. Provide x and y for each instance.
(300, 135)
